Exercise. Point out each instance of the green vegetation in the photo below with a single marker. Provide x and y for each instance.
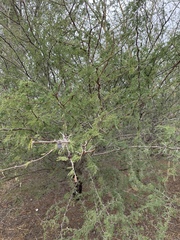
(101, 77)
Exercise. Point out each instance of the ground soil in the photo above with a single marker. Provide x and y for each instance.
(26, 203)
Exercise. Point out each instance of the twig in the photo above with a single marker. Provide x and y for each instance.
(27, 163)
(107, 152)
(64, 217)
(121, 149)
(52, 141)
(158, 147)
(16, 129)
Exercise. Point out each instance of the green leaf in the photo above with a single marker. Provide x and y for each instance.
(62, 158)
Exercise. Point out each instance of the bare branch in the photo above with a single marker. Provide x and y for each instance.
(158, 147)
(171, 70)
(17, 55)
(152, 147)
(27, 163)
(51, 141)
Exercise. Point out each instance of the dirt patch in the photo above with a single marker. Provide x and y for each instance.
(29, 205)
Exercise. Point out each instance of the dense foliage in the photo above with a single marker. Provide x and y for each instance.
(106, 74)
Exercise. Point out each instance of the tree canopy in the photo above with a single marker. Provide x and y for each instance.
(103, 75)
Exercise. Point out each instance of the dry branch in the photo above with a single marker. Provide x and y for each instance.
(52, 141)
(27, 163)
(152, 147)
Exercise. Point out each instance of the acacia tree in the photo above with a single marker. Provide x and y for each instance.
(104, 72)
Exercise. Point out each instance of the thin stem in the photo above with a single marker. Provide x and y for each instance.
(27, 163)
